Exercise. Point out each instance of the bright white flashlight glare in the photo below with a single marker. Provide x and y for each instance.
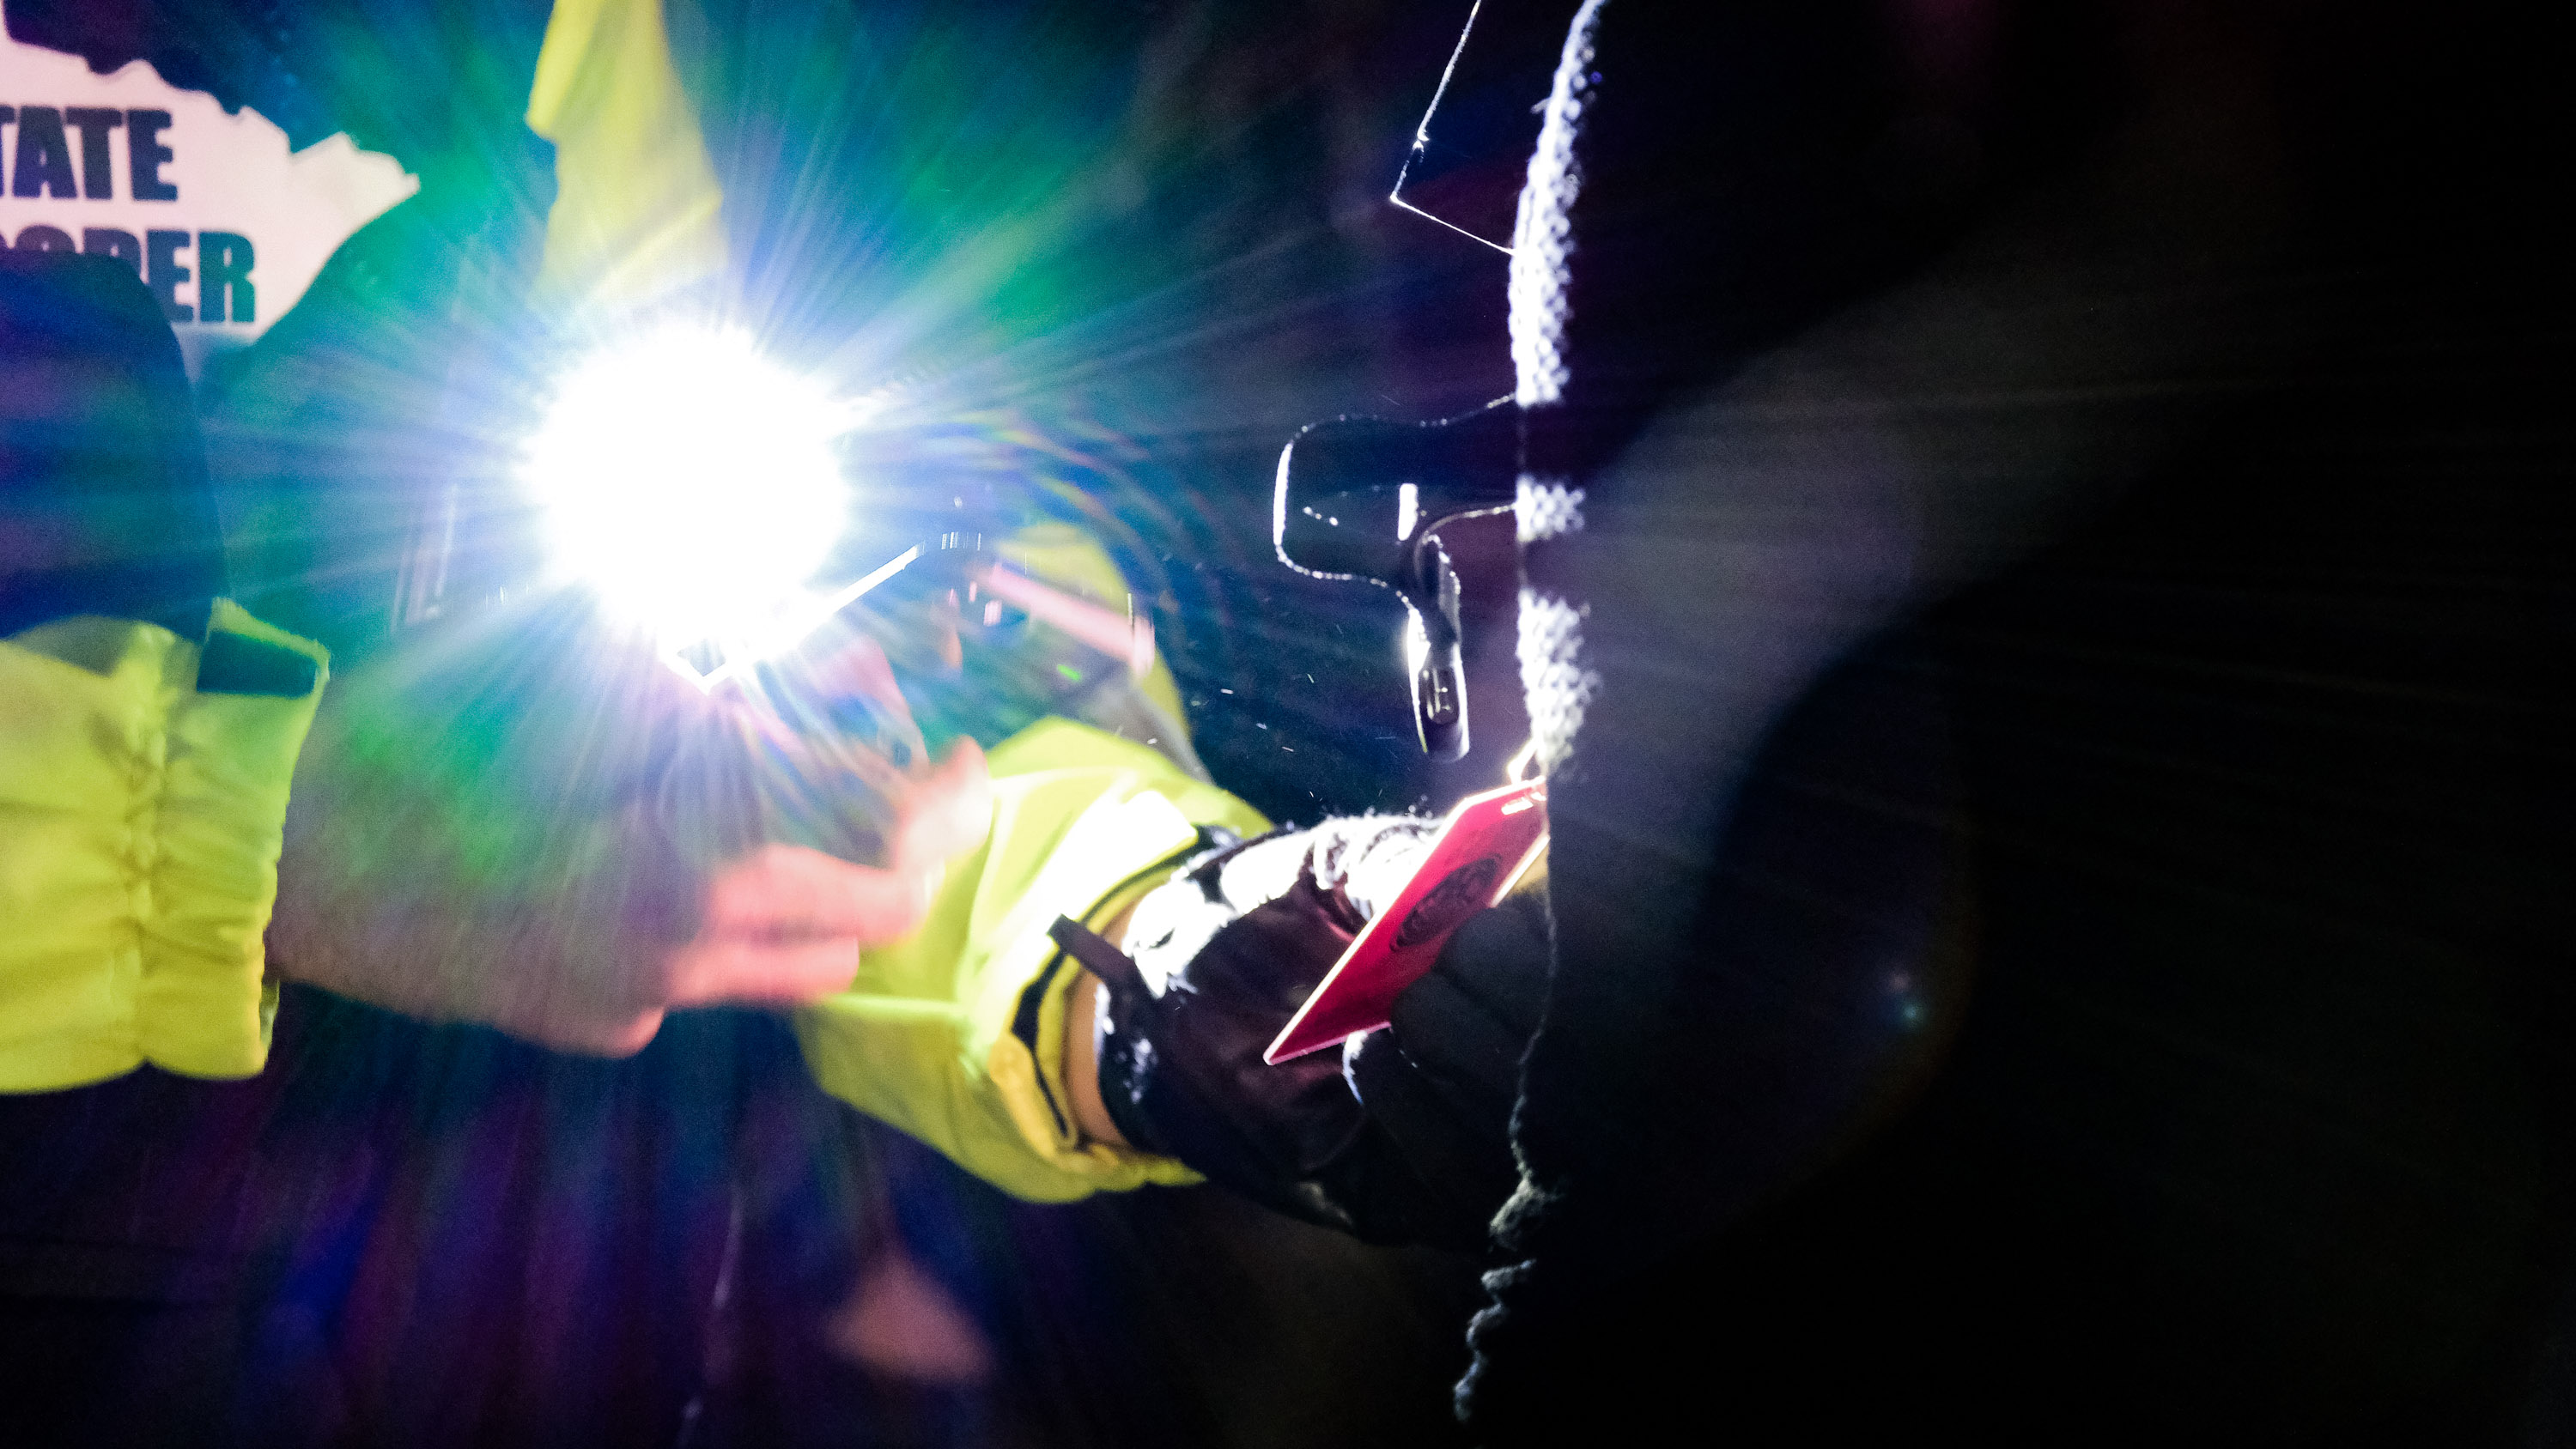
(690, 481)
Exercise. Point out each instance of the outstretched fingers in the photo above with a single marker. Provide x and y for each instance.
(787, 924)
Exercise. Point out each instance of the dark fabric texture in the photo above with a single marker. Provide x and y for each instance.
(2046, 647)
(104, 507)
(406, 1234)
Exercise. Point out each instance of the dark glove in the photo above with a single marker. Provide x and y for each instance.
(1440, 1079)
(1224, 956)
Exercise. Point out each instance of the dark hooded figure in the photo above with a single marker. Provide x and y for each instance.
(2039, 620)
(2043, 625)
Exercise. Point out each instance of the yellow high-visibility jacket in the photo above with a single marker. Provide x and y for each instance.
(957, 1033)
(140, 824)
(141, 821)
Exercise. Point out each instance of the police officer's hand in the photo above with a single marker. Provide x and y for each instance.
(530, 824)
(1218, 961)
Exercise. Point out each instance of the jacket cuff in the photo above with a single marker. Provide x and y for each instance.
(142, 808)
(1039, 1096)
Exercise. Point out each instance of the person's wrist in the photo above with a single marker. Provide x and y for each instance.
(1082, 1064)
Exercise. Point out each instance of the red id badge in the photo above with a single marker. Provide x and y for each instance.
(1479, 855)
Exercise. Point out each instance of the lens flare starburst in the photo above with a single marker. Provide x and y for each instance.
(690, 481)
